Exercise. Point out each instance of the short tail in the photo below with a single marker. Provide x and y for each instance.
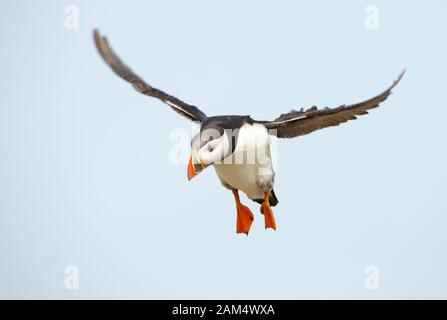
(272, 199)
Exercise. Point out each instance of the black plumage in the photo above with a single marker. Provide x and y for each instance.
(292, 124)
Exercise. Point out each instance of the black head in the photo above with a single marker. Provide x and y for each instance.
(216, 141)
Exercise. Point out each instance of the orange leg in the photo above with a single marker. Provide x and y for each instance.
(244, 216)
(269, 219)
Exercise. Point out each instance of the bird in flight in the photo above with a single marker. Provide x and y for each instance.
(238, 147)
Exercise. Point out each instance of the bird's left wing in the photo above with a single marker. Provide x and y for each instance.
(298, 123)
(187, 110)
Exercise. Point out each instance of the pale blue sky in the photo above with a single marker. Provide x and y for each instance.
(85, 176)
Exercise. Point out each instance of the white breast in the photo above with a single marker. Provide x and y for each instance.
(249, 168)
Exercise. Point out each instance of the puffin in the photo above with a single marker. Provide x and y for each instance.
(238, 146)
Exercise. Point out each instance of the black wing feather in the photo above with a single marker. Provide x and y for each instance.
(302, 122)
(189, 111)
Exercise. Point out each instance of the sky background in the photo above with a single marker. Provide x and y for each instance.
(86, 177)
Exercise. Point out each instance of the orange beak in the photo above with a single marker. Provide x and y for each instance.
(193, 168)
(191, 171)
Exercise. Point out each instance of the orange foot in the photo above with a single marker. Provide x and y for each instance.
(244, 216)
(269, 218)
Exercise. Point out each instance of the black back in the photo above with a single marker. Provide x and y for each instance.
(225, 122)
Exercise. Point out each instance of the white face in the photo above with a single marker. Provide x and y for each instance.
(210, 147)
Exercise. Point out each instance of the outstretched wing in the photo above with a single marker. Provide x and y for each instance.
(187, 110)
(298, 123)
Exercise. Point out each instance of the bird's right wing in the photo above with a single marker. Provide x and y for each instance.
(189, 111)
